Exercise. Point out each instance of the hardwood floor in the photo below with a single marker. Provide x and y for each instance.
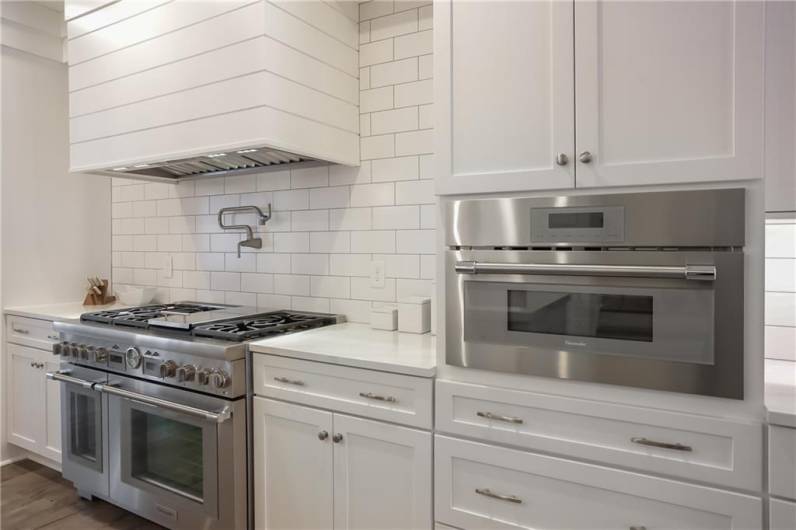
(35, 496)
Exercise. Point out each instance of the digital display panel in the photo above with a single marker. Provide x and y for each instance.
(576, 220)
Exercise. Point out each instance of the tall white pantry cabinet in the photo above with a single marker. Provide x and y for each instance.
(551, 95)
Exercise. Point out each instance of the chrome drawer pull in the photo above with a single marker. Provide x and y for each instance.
(638, 528)
(371, 395)
(486, 492)
(19, 330)
(662, 445)
(53, 337)
(498, 417)
(289, 381)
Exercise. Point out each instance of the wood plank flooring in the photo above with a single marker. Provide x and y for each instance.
(34, 496)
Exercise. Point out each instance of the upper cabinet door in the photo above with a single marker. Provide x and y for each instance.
(668, 91)
(504, 94)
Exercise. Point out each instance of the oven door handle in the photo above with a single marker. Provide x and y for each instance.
(216, 417)
(686, 272)
(63, 376)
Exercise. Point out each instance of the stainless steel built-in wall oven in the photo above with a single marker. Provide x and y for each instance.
(641, 289)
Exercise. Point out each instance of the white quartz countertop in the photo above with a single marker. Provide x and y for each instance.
(359, 346)
(65, 311)
(781, 392)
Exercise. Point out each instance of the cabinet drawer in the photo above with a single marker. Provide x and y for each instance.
(681, 445)
(390, 397)
(782, 461)
(31, 332)
(483, 486)
(782, 515)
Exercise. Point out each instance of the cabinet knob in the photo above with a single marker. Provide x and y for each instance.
(585, 157)
(562, 159)
(337, 438)
(323, 435)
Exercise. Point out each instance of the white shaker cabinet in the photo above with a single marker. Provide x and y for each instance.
(504, 92)
(668, 92)
(630, 93)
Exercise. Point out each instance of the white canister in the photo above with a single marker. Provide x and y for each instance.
(414, 314)
(384, 318)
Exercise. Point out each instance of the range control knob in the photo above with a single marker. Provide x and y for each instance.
(133, 357)
(186, 372)
(219, 379)
(168, 369)
(58, 349)
(203, 376)
(74, 350)
(101, 355)
(83, 352)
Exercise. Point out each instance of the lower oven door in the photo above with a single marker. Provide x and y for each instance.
(623, 317)
(83, 429)
(174, 454)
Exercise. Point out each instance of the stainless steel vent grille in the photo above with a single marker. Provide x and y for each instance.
(214, 164)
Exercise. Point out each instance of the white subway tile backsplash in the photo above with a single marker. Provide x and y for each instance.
(781, 275)
(780, 285)
(329, 222)
(781, 240)
(781, 343)
(390, 121)
(780, 309)
(373, 194)
(394, 72)
(393, 25)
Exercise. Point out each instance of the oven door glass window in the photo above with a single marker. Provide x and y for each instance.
(84, 427)
(666, 323)
(168, 454)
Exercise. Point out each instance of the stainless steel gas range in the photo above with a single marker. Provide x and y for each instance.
(154, 414)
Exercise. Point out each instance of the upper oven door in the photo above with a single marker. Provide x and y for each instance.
(636, 318)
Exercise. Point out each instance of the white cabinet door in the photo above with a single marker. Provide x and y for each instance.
(668, 91)
(292, 467)
(52, 414)
(382, 476)
(26, 397)
(504, 95)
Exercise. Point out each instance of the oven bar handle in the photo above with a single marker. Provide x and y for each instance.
(63, 375)
(687, 272)
(217, 417)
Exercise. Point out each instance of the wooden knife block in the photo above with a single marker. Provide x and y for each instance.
(93, 298)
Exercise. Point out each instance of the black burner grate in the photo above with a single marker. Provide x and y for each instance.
(263, 325)
(140, 316)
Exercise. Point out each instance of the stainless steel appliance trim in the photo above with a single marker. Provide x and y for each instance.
(486, 492)
(217, 417)
(661, 445)
(63, 375)
(688, 272)
(500, 417)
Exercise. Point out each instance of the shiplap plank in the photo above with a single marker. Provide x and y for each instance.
(254, 90)
(349, 8)
(145, 26)
(213, 34)
(252, 127)
(108, 15)
(77, 8)
(323, 16)
(225, 63)
(286, 28)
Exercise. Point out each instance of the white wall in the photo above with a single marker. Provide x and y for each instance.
(329, 223)
(54, 227)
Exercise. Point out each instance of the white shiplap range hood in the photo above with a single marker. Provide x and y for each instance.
(170, 90)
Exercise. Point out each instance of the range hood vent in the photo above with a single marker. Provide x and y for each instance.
(215, 165)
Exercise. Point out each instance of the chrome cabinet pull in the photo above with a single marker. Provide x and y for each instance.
(53, 337)
(376, 397)
(337, 438)
(486, 492)
(499, 417)
(289, 381)
(323, 435)
(19, 330)
(661, 445)
(634, 527)
(687, 272)
(562, 159)
(585, 157)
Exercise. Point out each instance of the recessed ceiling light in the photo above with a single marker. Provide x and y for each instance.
(141, 165)
(119, 168)
(247, 151)
(215, 155)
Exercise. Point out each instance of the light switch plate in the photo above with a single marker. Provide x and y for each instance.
(377, 274)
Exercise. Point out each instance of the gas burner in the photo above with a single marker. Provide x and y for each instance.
(140, 316)
(262, 325)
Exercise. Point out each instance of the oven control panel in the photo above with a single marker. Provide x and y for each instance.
(213, 376)
(593, 224)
